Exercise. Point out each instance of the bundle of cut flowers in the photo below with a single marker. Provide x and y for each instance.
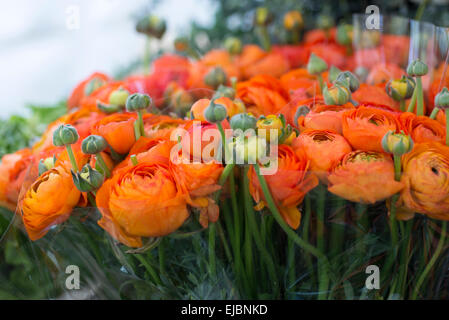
(296, 169)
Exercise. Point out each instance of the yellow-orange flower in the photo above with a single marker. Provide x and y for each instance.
(288, 185)
(141, 201)
(365, 127)
(324, 148)
(422, 128)
(426, 180)
(118, 130)
(364, 176)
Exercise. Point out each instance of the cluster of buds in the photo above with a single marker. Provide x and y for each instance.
(117, 101)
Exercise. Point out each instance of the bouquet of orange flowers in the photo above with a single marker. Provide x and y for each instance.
(292, 161)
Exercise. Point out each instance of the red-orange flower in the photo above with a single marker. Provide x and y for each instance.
(324, 149)
(365, 127)
(161, 126)
(118, 130)
(364, 176)
(78, 93)
(368, 94)
(422, 128)
(288, 185)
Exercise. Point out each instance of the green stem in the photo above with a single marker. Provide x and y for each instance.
(322, 272)
(72, 158)
(161, 252)
(420, 97)
(337, 231)
(146, 57)
(397, 168)
(434, 113)
(141, 127)
(212, 260)
(402, 105)
(149, 268)
(411, 105)
(447, 126)
(103, 165)
(264, 38)
(223, 138)
(432, 261)
(405, 256)
(236, 219)
(321, 82)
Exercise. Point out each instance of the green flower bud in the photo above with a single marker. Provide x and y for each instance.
(400, 89)
(417, 68)
(87, 179)
(138, 101)
(397, 143)
(65, 134)
(442, 99)
(93, 85)
(349, 80)
(118, 97)
(215, 112)
(46, 164)
(243, 121)
(336, 95)
(108, 108)
(233, 45)
(93, 144)
(224, 91)
(293, 20)
(152, 26)
(344, 34)
(300, 112)
(215, 77)
(316, 65)
(325, 21)
(263, 16)
(249, 149)
(333, 73)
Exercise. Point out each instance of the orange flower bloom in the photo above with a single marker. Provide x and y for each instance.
(262, 95)
(197, 109)
(118, 130)
(422, 128)
(365, 127)
(161, 126)
(324, 149)
(141, 201)
(78, 93)
(288, 185)
(368, 94)
(48, 201)
(102, 95)
(13, 170)
(299, 81)
(365, 177)
(381, 73)
(425, 177)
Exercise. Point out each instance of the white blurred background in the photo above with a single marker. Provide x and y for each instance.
(46, 47)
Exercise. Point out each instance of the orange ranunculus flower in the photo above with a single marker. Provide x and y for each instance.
(273, 64)
(365, 127)
(426, 180)
(288, 185)
(320, 36)
(250, 54)
(262, 95)
(396, 48)
(299, 81)
(118, 131)
(381, 73)
(296, 55)
(197, 109)
(368, 94)
(364, 176)
(13, 169)
(199, 180)
(48, 201)
(161, 126)
(324, 149)
(422, 128)
(332, 53)
(101, 95)
(78, 93)
(141, 201)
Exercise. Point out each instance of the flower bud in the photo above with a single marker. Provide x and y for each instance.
(224, 91)
(181, 44)
(215, 112)
(401, 89)
(316, 65)
(344, 34)
(243, 121)
(302, 111)
(249, 149)
(215, 77)
(107, 108)
(268, 123)
(293, 20)
(397, 143)
(349, 80)
(138, 101)
(417, 68)
(118, 97)
(336, 95)
(442, 99)
(46, 164)
(93, 144)
(65, 134)
(325, 21)
(93, 85)
(263, 16)
(151, 26)
(333, 73)
(233, 45)
(87, 179)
